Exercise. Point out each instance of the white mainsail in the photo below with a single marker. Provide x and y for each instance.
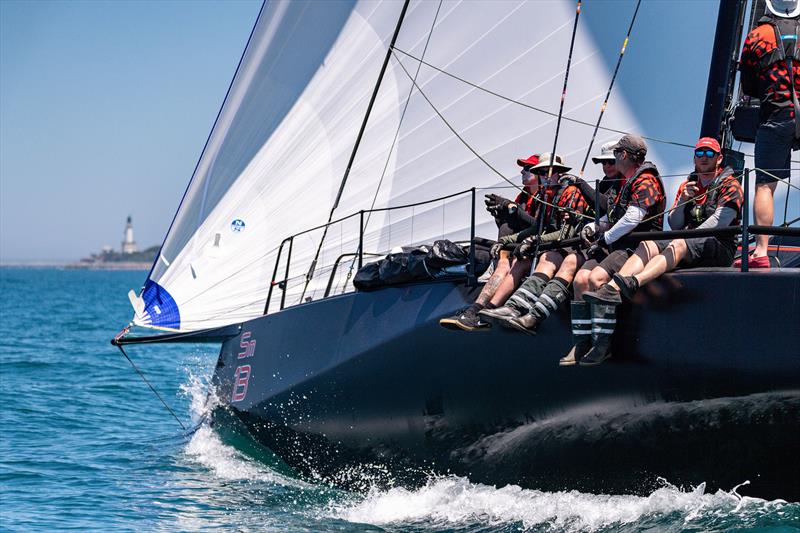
(275, 159)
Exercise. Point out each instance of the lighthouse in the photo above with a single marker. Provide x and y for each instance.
(128, 244)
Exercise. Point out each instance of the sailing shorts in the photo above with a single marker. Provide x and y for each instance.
(773, 150)
(703, 252)
(612, 261)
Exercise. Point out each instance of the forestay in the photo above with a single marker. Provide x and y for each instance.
(275, 158)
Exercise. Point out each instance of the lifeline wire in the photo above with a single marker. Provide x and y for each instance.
(608, 94)
(141, 375)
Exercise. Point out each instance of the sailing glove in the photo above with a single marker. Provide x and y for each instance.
(527, 247)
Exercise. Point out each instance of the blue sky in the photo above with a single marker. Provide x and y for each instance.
(104, 109)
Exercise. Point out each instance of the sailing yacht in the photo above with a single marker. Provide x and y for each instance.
(354, 128)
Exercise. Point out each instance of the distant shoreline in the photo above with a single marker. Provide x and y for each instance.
(80, 266)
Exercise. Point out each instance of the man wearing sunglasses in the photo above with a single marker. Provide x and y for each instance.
(770, 65)
(638, 205)
(547, 289)
(503, 282)
(711, 197)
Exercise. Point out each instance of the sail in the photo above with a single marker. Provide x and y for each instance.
(469, 88)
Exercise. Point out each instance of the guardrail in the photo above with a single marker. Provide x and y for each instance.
(282, 284)
(746, 229)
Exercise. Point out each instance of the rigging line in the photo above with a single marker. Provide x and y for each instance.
(141, 375)
(564, 89)
(611, 86)
(534, 108)
(358, 140)
(461, 139)
(402, 116)
(450, 127)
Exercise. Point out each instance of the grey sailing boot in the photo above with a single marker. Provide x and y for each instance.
(581, 333)
(526, 296)
(604, 321)
(554, 294)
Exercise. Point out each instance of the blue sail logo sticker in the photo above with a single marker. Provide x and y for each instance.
(237, 226)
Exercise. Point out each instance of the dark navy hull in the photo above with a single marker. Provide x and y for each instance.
(704, 386)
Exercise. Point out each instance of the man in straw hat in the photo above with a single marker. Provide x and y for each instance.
(545, 291)
(546, 225)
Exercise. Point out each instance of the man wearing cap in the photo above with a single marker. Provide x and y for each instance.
(770, 65)
(548, 224)
(544, 291)
(638, 205)
(711, 197)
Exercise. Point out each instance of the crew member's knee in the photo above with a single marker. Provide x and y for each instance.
(597, 278)
(581, 281)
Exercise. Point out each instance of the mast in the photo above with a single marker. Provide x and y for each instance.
(722, 71)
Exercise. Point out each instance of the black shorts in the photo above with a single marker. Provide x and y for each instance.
(612, 262)
(703, 252)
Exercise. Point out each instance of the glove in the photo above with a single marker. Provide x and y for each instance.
(588, 233)
(527, 247)
(595, 251)
(498, 203)
(494, 251)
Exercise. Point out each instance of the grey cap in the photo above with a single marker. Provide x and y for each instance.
(606, 153)
(631, 143)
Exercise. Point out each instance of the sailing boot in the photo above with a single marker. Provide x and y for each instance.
(628, 285)
(581, 333)
(526, 296)
(554, 294)
(604, 295)
(604, 321)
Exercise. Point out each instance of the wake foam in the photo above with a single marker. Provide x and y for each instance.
(454, 501)
(206, 448)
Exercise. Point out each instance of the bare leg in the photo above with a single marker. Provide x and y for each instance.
(500, 272)
(598, 277)
(581, 281)
(764, 213)
(569, 267)
(636, 263)
(663, 262)
(520, 268)
(549, 263)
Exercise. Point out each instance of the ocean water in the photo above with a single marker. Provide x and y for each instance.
(84, 445)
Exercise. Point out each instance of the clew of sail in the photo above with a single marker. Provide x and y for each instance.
(275, 158)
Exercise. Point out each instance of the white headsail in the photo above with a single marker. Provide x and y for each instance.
(275, 159)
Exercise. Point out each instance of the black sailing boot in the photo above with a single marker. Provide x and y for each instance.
(628, 285)
(604, 321)
(526, 296)
(554, 294)
(581, 333)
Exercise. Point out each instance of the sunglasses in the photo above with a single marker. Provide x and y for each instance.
(705, 153)
(527, 168)
(607, 162)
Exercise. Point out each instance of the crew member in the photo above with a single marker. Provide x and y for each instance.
(637, 206)
(511, 217)
(711, 197)
(544, 291)
(770, 65)
(546, 225)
